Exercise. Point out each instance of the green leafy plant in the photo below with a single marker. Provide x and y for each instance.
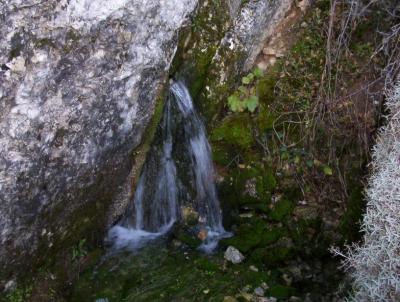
(245, 97)
(79, 250)
(19, 294)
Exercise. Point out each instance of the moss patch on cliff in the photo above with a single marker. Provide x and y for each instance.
(199, 43)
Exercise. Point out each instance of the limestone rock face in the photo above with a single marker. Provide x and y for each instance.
(78, 85)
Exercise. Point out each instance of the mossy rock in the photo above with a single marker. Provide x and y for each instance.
(254, 234)
(221, 155)
(267, 183)
(304, 231)
(259, 207)
(228, 195)
(281, 210)
(265, 119)
(281, 291)
(272, 256)
(243, 241)
(187, 237)
(205, 264)
(234, 130)
(248, 236)
(272, 235)
(265, 88)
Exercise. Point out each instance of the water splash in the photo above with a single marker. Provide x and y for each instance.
(156, 204)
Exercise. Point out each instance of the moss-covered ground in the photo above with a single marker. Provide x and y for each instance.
(160, 273)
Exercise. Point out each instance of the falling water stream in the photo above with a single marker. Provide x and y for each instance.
(157, 205)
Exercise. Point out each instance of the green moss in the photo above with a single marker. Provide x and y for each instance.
(229, 193)
(272, 256)
(244, 240)
(281, 291)
(281, 210)
(18, 295)
(198, 45)
(249, 235)
(139, 155)
(221, 155)
(265, 88)
(206, 264)
(184, 235)
(15, 51)
(234, 130)
(156, 274)
(272, 235)
(45, 42)
(267, 183)
(265, 119)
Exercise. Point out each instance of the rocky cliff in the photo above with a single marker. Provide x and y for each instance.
(79, 82)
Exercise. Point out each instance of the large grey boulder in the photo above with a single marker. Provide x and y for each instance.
(78, 86)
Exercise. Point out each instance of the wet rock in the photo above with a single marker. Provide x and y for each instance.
(247, 296)
(259, 291)
(233, 255)
(287, 279)
(250, 187)
(202, 235)
(189, 216)
(10, 285)
(270, 299)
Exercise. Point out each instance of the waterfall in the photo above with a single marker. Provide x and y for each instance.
(161, 191)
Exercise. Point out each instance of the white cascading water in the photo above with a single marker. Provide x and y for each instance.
(164, 207)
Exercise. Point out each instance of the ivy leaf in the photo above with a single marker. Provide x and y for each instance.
(251, 103)
(328, 171)
(250, 76)
(258, 72)
(246, 80)
(310, 163)
(317, 163)
(243, 89)
(234, 103)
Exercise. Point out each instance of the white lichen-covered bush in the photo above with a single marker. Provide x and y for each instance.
(375, 265)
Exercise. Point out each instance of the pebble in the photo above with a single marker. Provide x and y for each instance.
(259, 291)
(233, 255)
(270, 299)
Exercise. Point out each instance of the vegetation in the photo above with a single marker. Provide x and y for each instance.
(245, 97)
(79, 250)
(374, 264)
(19, 294)
(318, 108)
(291, 146)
